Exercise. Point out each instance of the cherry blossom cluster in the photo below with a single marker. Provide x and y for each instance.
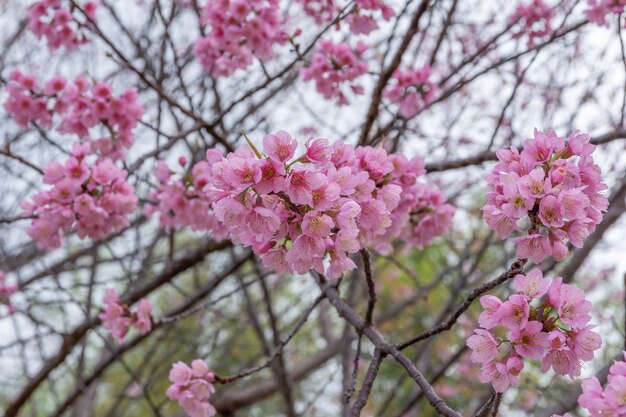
(610, 400)
(545, 321)
(422, 213)
(52, 20)
(79, 106)
(239, 31)
(364, 16)
(551, 189)
(335, 67)
(534, 19)
(412, 90)
(330, 202)
(321, 10)
(192, 387)
(92, 199)
(6, 291)
(180, 200)
(600, 10)
(117, 317)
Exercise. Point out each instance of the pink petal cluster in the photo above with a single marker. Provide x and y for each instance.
(79, 107)
(412, 90)
(322, 11)
(545, 321)
(551, 189)
(92, 199)
(335, 67)
(239, 31)
(534, 21)
(607, 401)
(328, 203)
(599, 10)
(422, 213)
(364, 15)
(6, 291)
(118, 318)
(54, 21)
(192, 387)
(180, 200)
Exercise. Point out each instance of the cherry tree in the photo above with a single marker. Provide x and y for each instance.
(325, 207)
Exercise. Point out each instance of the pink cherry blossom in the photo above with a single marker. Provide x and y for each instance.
(600, 10)
(237, 32)
(484, 346)
(192, 387)
(412, 90)
(335, 68)
(545, 321)
(118, 318)
(91, 200)
(553, 188)
(54, 21)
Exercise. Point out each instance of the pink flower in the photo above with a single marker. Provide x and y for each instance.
(514, 312)
(412, 90)
(498, 221)
(535, 247)
(570, 301)
(501, 375)
(550, 212)
(489, 317)
(280, 146)
(192, 388)
(484, 346)
(335, 68)
(237, 33)
(535, 184)
(180, 373)
(530, 342)
(316, 224)
(533, 284)
(317, 151)
(540, 148)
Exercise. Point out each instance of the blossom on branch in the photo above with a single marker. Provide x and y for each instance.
(76, 108)
(117, 317)
(92, 199)
(335, 68)
(545, 321)
(296, 213)
(51, 20)
(192, 387)
(551, 189)
(239, 31)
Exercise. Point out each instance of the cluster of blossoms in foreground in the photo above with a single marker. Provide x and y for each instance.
(239, 31)
(51, 20)
(601, 10)
(118, 318)
(91, 198)
(411, 90)
(554, 187)
(192, 387)
(332, 201)
(335, 68)
(545, 321)
(534, 20)
(610, 400)
(76, 107)
(6, 291)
